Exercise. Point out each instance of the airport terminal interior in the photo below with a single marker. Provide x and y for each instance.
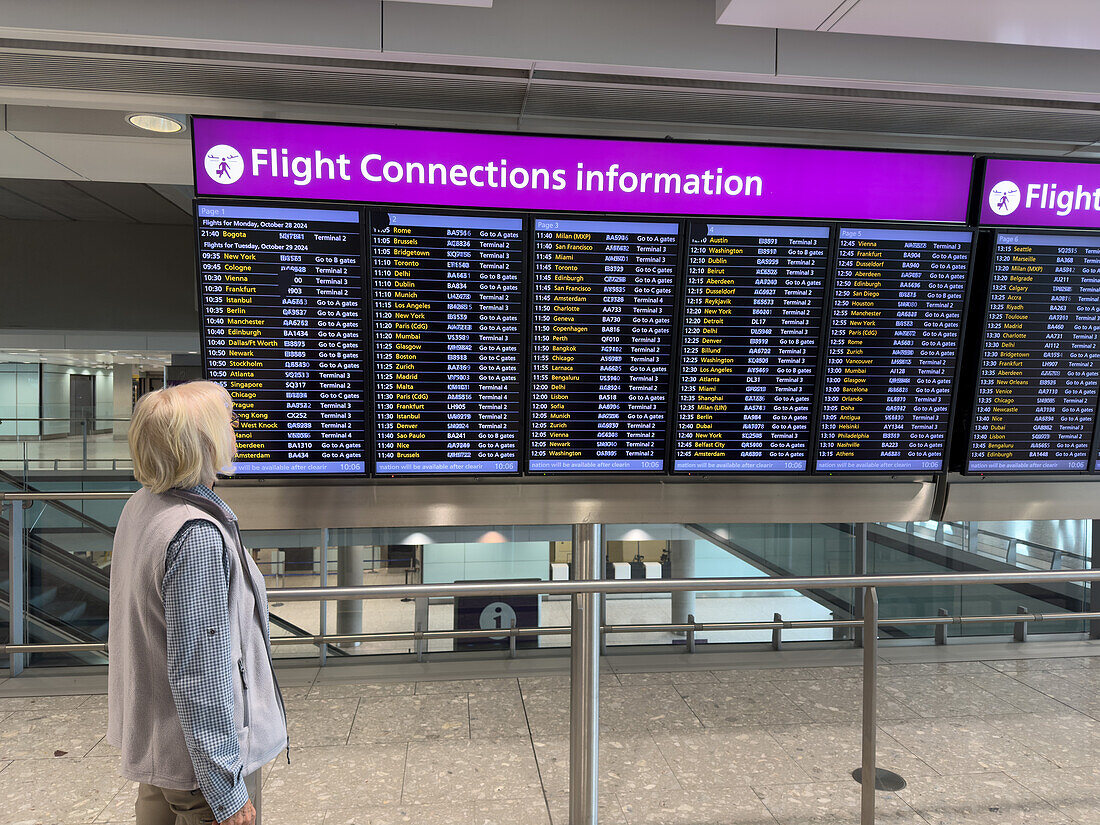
(647, 411)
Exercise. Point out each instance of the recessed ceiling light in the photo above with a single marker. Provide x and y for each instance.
(164, 124)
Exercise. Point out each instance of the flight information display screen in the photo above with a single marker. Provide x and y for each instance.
(891, 348)
(1040, 358)
(281, 300)
(603, 294)
(752, 309)
(447, 302)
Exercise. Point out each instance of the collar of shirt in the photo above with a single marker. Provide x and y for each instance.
(210, 495)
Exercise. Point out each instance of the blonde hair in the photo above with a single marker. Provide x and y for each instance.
(182, 436)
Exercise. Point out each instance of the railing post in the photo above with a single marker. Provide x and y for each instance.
(421, 610)
(512, 637)
(1094, 587)
(777, 633)
(1019, 629)
(691, 633)
(601, 573)
(869, 773)
(84, 434)
(16, 604)
(323, 648)
(584, 680)
(941, 629)
(861, 570)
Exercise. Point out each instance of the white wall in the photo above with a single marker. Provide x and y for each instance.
(55, 396)
(18, 399)
(104, 398)
(445, 563)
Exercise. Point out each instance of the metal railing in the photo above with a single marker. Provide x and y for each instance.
(587, 628)
(45, 443)
(1005, 548)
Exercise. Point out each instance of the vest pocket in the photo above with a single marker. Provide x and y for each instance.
(244, 694)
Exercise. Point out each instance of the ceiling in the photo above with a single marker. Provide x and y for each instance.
(82, 200)
(89, 359)
(1071, 24)
(952, 76)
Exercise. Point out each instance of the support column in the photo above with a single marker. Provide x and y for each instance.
(122, 395)
(682, 556)
(349, 573)
(869, 768)
(584, 680)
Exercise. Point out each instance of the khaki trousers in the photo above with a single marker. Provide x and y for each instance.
(163, 806)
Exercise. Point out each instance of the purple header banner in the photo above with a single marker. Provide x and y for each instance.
(402, 166)
(1041, 193)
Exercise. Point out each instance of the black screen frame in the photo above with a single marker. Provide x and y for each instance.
(1094, 442)
(959, 352)
(831, 226)
(365, 330)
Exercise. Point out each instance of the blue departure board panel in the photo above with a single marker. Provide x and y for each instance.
(752, 310)
(891, 349)
(603, 295)
(1039, 372)
(447, 302)
(281, 299)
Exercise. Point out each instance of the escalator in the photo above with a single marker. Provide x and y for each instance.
(828, 549)
(67, 590)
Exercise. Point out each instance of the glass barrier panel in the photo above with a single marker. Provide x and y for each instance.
(973, 547)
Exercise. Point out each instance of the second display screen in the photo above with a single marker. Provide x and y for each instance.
(447, 301)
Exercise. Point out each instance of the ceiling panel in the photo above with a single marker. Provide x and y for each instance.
(18, 160)
(1073, 24)
(141, 203)
(334, 24)
(180, 195)
(17, 207)
(789, 14)
(99, 157)
(82, 122)
(65, 199)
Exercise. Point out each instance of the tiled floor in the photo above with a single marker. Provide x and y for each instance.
(982, 733)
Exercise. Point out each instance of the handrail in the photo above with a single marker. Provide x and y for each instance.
(610, 586)
(72, 512)
(60, 418)
(665, 627)
(99, 496)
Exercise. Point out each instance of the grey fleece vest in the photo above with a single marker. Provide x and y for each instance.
(142, 718)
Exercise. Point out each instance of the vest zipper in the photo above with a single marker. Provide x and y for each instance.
(267, 638)
(244, 694)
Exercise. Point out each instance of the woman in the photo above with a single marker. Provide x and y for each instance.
(193, 703)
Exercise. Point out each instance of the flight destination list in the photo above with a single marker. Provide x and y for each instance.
(601, 345)
(1040, 356)
(891, 348)
(753, 299)
(447, 299)
(282, 314)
